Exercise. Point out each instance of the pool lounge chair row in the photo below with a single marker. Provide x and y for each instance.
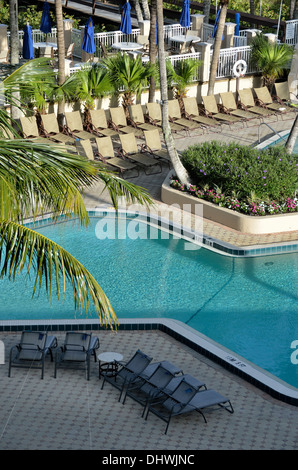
(163, 389)
(129, 155)
(35, 346)
(209, 114)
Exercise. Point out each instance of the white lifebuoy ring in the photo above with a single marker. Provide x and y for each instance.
(240, 68)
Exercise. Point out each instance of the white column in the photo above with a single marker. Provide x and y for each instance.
(204, 48)
(67, 27)
(3, 38)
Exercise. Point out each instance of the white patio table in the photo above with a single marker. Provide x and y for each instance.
(127, 46)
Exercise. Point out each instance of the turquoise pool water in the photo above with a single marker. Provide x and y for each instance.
(248, 305)
(282, 141)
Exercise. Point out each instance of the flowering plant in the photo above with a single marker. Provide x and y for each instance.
(240, 205)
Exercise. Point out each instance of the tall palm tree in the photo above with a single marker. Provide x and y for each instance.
(37, 179)
(293, 137)
(152, 48)
(14, 32)
(206, 10)
(217, 45)
(61, 57)
(180, 170)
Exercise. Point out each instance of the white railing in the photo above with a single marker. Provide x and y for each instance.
(239, 41)
(228, 57)
(207, 33)
(292, 32)
(181, 57)
(38, 36)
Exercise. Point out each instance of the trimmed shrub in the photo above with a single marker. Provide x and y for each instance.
(269, 174)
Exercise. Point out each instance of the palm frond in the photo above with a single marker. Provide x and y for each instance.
(37, 178)
(22, 248)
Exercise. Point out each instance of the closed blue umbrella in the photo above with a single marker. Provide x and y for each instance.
(88, 40)
(125, 25)
(237, 21)
(45, 24)
(216, 24)
(28, 52)
(185, 14)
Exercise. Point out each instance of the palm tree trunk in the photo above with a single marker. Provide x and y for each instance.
(14, 32)
(293, 137)
(292, 9)
(295, 15)
(61, 57)
(206, 10)
(217, 46)
(138, 10)
(180, 171)
(152, 47)
(146, 10)
(14, 51)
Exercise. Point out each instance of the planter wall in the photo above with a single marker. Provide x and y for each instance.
(234, 220)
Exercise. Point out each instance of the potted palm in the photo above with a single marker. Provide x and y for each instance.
(180, 76)
(128, 76)
(271, 58)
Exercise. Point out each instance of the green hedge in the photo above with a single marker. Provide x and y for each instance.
(269, 174)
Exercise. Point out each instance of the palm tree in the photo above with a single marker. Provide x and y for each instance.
(270, 58)
(37, 179)
(181, 76)
(206, 10)
(217, 45)
(61, 58)
(89, 84)
(152, 48)
(14, 32)
(128, 76)
(293, 136)
(180, 170)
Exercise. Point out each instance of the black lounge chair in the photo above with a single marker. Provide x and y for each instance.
(32, 350)
(144, 389)
(78, 348)
(186, 398)
(128, 372)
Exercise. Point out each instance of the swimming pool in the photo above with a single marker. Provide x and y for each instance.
(278, 139)
(246, 304)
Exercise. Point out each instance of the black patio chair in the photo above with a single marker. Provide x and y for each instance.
(77, 349)
(32, 350)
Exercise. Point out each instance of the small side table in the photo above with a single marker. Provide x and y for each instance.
(107, 363)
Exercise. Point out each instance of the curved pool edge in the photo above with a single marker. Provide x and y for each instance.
(190, 234)
(184, 334)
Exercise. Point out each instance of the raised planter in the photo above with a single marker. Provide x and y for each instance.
(240, 222)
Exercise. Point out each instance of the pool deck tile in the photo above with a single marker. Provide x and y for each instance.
(71, 413)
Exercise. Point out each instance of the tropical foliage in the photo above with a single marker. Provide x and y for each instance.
(181, 75)
(89, 84)
(128, 76)
(31, 13)
(270, 58)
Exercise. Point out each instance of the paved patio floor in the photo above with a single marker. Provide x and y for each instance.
(71, 413)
